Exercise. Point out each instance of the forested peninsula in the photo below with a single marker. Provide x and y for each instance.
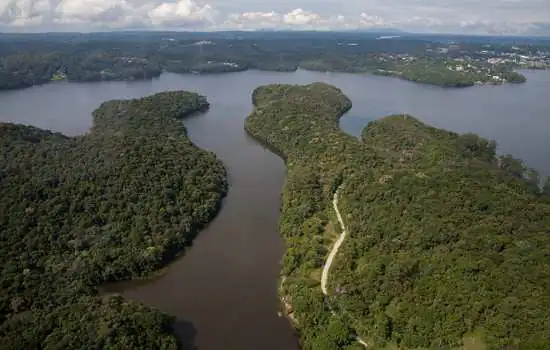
(447, 244)
(114, 204)
(32, 59)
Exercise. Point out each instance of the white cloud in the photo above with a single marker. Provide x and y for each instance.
(94, 14)
(25, 12)
(183, 12)
(85, 8)
(474, 16)
(301, 18)
(252, 20)
(369, 21)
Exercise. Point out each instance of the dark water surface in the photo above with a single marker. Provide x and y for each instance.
(224, 290)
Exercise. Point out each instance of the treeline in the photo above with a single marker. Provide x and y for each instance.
(32, 60)
(26, 69)
(447, 242)
(301, 123)
(115, 204)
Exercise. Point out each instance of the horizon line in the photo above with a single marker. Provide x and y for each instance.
(394, 31)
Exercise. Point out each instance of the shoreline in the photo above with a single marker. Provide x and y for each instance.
(373, 73)
(286, 307)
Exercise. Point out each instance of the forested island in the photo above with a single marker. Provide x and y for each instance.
(117, 203)
(32, 59)
(447, 246)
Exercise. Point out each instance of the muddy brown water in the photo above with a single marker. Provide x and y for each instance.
(223, 291)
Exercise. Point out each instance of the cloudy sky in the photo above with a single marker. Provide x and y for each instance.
(455, 16)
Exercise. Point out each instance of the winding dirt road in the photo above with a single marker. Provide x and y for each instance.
(333, 252)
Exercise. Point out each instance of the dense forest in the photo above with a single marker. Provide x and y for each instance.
(27, 60)
(117, 203)
(448, 244)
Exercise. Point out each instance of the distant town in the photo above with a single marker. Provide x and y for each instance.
(27, 59)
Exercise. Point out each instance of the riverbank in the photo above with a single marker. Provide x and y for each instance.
(212, 277)
(401, 168)
(107, 206)
(429, 74)
(307, 228)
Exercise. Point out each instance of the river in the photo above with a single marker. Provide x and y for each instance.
(224, 290)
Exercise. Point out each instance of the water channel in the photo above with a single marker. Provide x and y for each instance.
(224, 290)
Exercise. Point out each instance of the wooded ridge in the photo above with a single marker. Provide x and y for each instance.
(448, 244)
(76, 212)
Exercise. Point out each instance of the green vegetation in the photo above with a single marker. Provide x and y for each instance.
(59, 76)
(451, 73)
(90, 322)
(206, 68)
(447, 244)
(425, 70)
(34, 59)
(24, 70)
(301, 123)
(447, 241)
(117, 203)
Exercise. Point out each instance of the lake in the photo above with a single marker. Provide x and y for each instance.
(224, 290)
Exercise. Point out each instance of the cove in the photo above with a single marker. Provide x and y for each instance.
(224, 289)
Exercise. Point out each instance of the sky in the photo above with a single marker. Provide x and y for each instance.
(516, 17)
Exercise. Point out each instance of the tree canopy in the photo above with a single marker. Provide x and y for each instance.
(447, 246)
(32, 59)
(116, 203)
